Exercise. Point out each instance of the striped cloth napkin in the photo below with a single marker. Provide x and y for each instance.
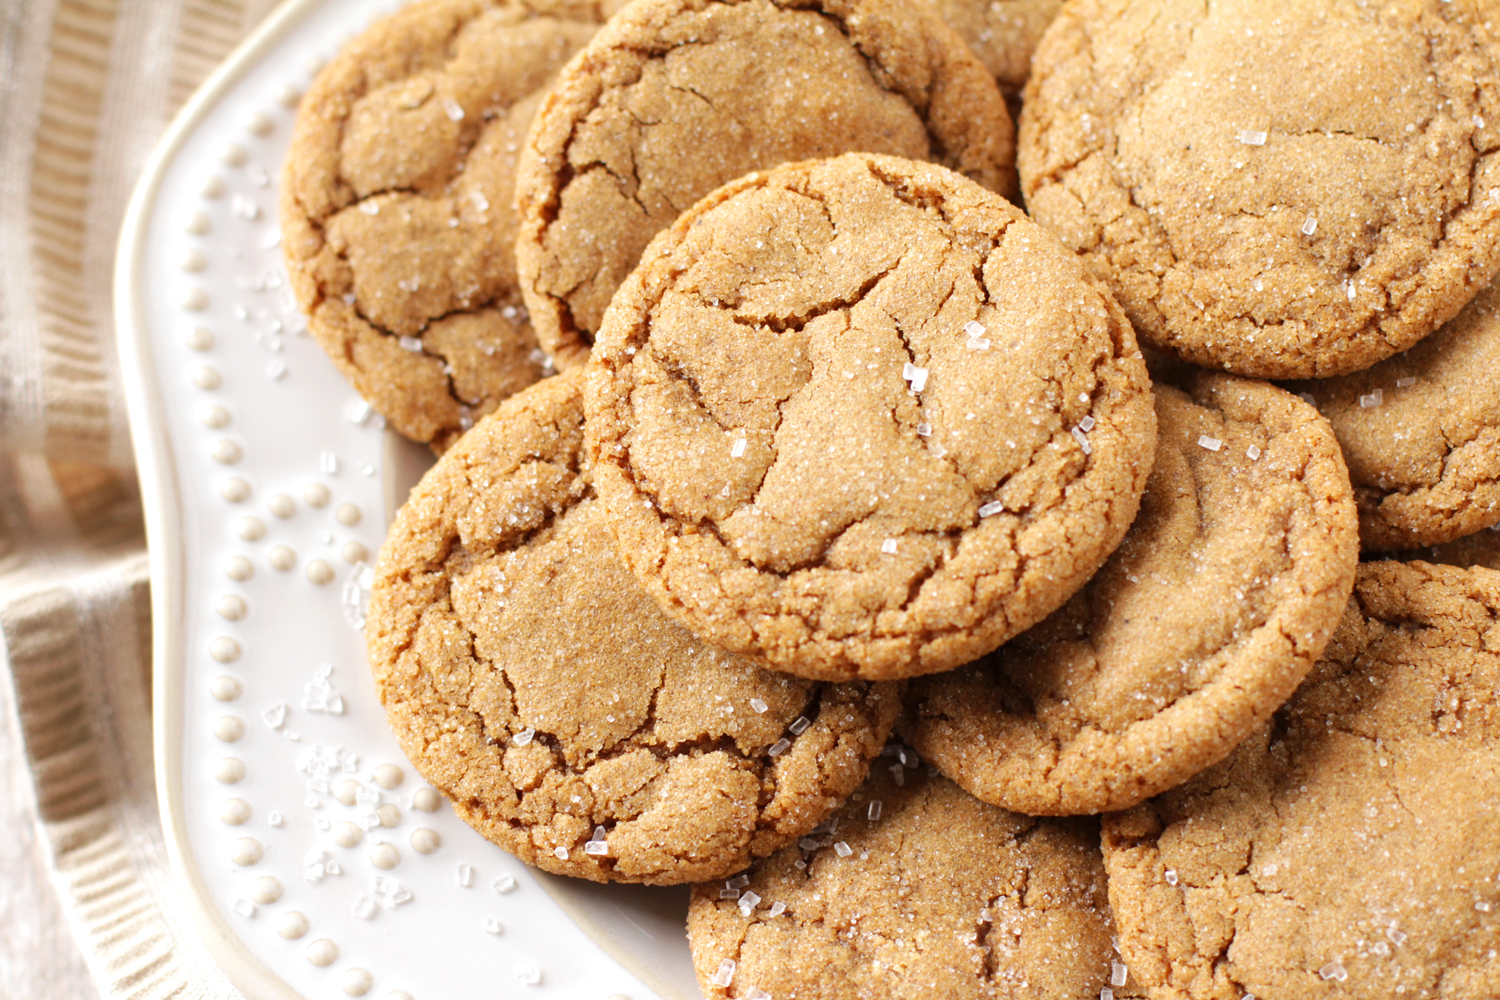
(87, 903)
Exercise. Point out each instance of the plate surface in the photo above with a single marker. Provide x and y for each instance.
(268, 487)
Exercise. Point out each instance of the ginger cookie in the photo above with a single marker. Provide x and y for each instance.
(676, 97)
(1421, 433)
(1288, 192)
(1002, 33)
(1206, 618)
(530, 679)
(1479, 549)
(915, 889)
(396, 208)
(1350, 848)
(861, 418)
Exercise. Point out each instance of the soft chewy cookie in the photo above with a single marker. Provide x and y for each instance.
(1297, 190)
(396, 204)
(861, 418)
(1421, 433)
(1350, 848)
(1206, 618)
(677, 97)
(916, 889)
(1002, 33)
(531, 680)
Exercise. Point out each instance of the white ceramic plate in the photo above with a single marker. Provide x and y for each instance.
(268, 486)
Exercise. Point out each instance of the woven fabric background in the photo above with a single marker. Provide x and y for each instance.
(86, 903)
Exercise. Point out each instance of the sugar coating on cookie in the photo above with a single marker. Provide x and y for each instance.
(1421, 432)
(1206, 618)
(1350, 848)
(1002, 33)
(861, 418)
(529, 678)
(396, 207)
(915, 889)
(1295, 190)
(676, 97)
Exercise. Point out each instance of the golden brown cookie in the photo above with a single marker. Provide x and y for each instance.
(531, 680)
(915, 891)
(677, 97)
(1350, 848)
(1002, 33)
(1206, 618)
(396, 204)
(1479, 549)
(1421, 432)
(861, 418)
(1290, 191)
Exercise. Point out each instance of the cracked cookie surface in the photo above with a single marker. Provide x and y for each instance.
(396, 212)
(1421, 433)
(1002, 33)
(919, 891)
(1206, 618)
(1287, 192)
(677, 97)
(529, 678)
(1350, 848)
(861, 418)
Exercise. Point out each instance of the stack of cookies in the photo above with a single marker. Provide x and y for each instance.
(941, 588)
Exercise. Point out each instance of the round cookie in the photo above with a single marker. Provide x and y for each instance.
(676, 97)
(861, 418)
(1350, 848)
(916, 889)
(1206, 618)
(530, 679)
(1421, 433)
(396, 212)
(1287, 197)
(1002, 33)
